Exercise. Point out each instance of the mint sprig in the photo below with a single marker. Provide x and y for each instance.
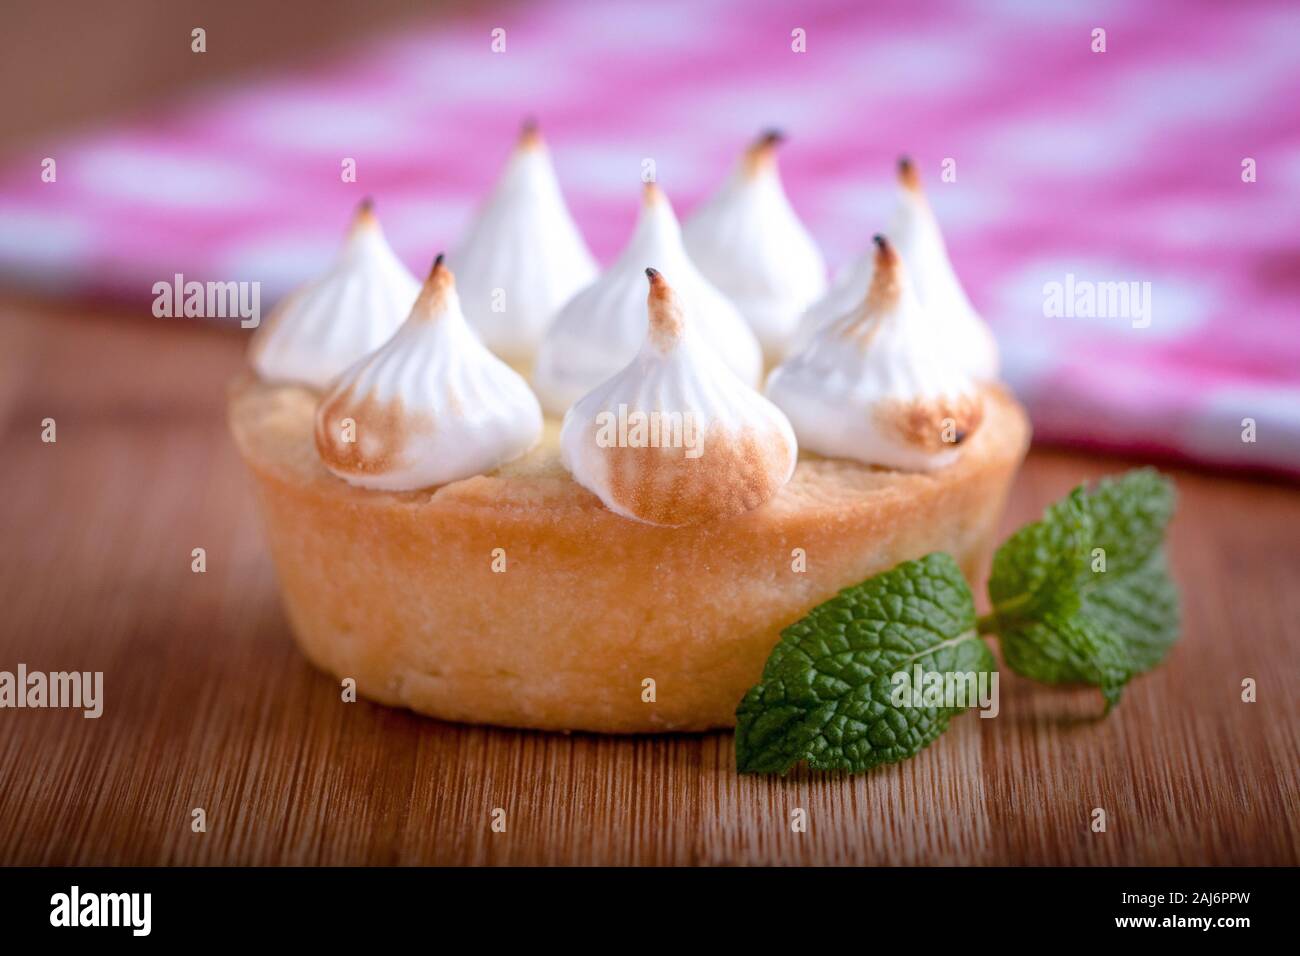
(1082, 596)
(826, 691)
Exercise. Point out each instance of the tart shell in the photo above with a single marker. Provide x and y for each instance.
(399, 591)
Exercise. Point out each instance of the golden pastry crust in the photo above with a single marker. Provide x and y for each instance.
(398, 589)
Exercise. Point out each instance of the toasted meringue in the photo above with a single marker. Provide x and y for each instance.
(675, 438)
(915, 233)
(601, 328)
(432, 405)
(748, 241)
(845, 295)
(523, 256)
(323, 327)
(876, 385)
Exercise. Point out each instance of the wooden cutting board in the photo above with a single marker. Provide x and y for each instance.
(209, 705)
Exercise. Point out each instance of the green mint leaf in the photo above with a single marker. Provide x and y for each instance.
(1039, 568)
(1060, 617)
(1068, 649)
(1130, 514)
(1140, 609)
(828, 695)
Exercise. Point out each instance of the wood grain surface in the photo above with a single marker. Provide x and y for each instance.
(208, 703)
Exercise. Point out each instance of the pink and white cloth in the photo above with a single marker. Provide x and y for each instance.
(1072, 166)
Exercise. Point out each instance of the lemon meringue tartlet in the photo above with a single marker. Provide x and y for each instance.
(629, 569)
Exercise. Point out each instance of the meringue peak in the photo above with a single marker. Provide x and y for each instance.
(675, 438)
(429, 406)
(749, 242)
(656, 224)
(530, 134)
(666, 322)
(889, 295)
(652, 195)
(908, 176)
(914, 232)
(878, 384)
(887, 278)
(364, 225)
(325, 325)
(434, 296)
(760, 157)
(365, 236)
(365, 214)
(522, 256)
(601, 329)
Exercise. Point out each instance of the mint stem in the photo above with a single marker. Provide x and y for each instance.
(988, 624)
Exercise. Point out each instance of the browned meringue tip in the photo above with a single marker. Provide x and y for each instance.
(761, 154)
(860, 326)
(530, 134)
(651, 194)
(365, 214)
(908, 176)
(887, 279)
(666, 323)
(885, 251)
(433, 294)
